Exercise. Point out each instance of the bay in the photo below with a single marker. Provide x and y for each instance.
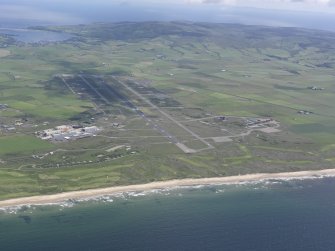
(34, 36)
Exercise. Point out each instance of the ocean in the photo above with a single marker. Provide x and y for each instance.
(273, 215)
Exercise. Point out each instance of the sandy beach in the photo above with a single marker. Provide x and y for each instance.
(76, 195)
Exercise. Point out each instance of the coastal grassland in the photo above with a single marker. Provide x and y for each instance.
(204, 69)
(152, 163)
(28, 71)
(22, 144)
(38, 102)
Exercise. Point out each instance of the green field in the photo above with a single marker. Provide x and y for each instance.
(192, 73)
(14, 145)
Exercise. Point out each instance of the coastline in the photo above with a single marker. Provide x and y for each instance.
(91, 193)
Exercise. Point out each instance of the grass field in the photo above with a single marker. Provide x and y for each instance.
(189, 72)
(14, 145)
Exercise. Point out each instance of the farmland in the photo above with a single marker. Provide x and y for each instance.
(172, 100)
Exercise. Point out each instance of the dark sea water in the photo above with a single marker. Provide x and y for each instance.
(285, 215)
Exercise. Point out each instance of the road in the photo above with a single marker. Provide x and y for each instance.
(171, 138)
(168, 116)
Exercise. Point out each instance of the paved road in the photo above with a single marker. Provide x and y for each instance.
(95, 90)
(134, 108)
(171, 138)
(209, 146)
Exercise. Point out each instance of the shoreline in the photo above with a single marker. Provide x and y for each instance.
(91, 193)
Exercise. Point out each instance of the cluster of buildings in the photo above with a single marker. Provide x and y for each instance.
(3, 106)
(67, 132)
(8, 128)
(316, 88)
(305, 112)
(255, 123)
